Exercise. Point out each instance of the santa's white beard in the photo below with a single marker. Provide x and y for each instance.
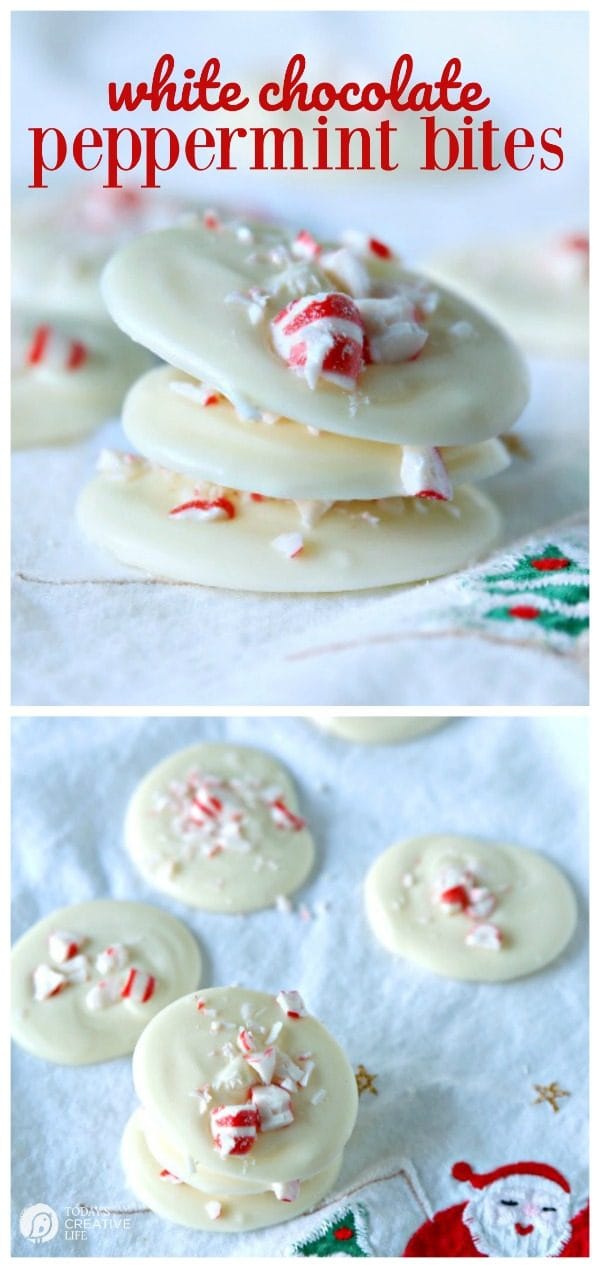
(503, 1239)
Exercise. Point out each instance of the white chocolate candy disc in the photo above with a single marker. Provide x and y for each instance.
(355, 546)
(282, 459)
(60, 245)
(63, 1027)
(520, 916)
(186, 1205)
(189, 1047)
(217, 826)
(538, 290)
(52, 404)
(378, 730)
(175, 293)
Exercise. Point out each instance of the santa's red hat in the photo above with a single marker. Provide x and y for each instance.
(463, 1171)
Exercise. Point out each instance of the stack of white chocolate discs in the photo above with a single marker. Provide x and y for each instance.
(247, 1104)
(319, 407)
(71, 366)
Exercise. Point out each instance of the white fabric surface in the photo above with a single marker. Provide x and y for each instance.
(456, 1062)
(87, 630)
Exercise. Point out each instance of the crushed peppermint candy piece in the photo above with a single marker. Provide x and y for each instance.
(286, 1191)
(103, 993)
(246, 1041)
(211, 220)
(213, 1209)
(292, 1004)
(364, 245)
(234, 1074)
(481, 903)
(138, 986)
(287, 1074)
(453, 900)
(346, 269)
(312, 512)
(423, 473)
(47, 982)
(263, 1063)
(289, 544)
(77, 968)
(121, 466)
(254, 301)
(283, 817)
(318, 1096)
(234, 1129)
(321, 336)
(169, 1177)
(393, 333)
(274, 1106)
(53, 350)
(113, 957)
(204, 509)
(283, 904)
(63, 946)
(305, 247)
(203, 1095)
(484, 937)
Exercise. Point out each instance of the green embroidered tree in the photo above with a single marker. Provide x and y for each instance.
(544, 588)
(342, 1235)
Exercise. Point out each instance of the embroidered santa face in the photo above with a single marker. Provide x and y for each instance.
(519, 1214)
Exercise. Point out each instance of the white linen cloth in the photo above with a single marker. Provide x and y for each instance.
(455, 1062)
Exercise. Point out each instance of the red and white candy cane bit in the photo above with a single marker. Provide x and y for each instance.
(103, 993)
(454, 899)
(289, 544)
(47, 982)
(363, 244)
(246, 1041)
(263, 1063)
(204, 509)
(482, 903)
(63, 946)
(306, 247)
(77, 969)
(138, 986)
(51, 348)
(234, 1129)
(283, 817)
(321, 336)
(423, 474)
(169, 1177)
(292, 1004)
(213, 1209)
(274, 1105)
(486, 937)
(112, 958)
(210, 219)
(286, 1191)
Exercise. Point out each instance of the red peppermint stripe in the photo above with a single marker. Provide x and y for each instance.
(208, 505)
(380, 249)
(333, 304)
(138, 986)
(47, 345)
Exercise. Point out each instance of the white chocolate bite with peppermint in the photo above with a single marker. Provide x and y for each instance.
(173, 528)
(465, 908)
(87, 979)
(218, 826)
(68, 376)
(209, 1209)
(180, 424)
(213, 303)
(248, 1103)
(538, 288)
(373, 730)
(61, 244)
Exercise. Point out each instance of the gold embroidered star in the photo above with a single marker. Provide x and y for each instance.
(365, 1082)
(550, 1092)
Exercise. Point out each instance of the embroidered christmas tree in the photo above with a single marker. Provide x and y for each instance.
(343, 1234)
(547, 588)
